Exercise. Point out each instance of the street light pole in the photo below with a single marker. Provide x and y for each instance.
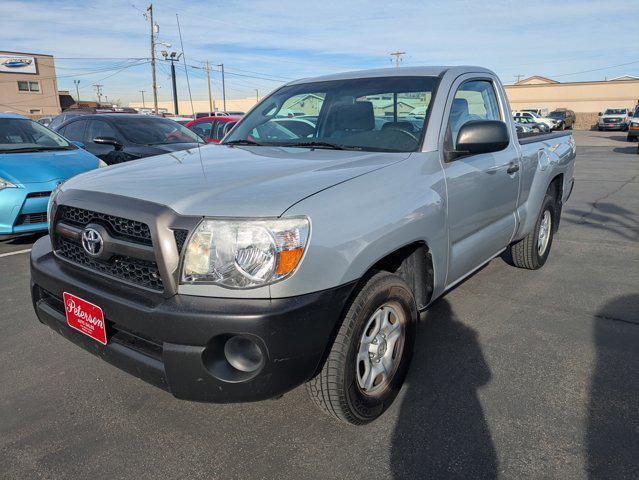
(173, 57)
(142, 92)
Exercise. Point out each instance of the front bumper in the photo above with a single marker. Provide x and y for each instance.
(177, 343)
(23, 210)
(613, 126)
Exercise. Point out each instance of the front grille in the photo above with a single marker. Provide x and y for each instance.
(612, 120)
(38, 194)
(135, 271)
(141, 272)
(31, 218)
(118, 227)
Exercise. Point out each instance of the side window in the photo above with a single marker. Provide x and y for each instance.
(75, 130)
(203, 129)
(99, 128)
(474, 100)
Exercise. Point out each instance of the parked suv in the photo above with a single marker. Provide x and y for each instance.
(236, 273)
(565, 119)
(119, 137)
(614, 119)
(633, 127)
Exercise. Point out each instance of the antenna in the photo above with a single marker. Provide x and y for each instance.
(188, 84)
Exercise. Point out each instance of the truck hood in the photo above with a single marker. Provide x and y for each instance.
(39, 167)
(233, 181)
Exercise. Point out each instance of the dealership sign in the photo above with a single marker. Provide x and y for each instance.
(17, 64)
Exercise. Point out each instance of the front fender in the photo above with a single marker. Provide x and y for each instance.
(359, 222)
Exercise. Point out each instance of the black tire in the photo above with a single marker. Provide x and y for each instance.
(335, 390)
(525, 253)
(600, 129)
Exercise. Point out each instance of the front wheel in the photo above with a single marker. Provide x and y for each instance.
(531, 252)
(369, 359)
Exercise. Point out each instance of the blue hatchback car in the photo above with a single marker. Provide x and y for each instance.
(33, 161)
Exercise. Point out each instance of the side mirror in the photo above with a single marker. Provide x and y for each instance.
(481, 136)
(108, 141)
(599, 114)
(79, 144)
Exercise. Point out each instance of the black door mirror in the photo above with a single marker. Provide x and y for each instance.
(481, 136)
(108, 141)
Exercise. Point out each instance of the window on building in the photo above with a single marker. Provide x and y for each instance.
(24, 86)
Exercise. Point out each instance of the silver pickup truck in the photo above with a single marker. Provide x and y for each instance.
(303, 248)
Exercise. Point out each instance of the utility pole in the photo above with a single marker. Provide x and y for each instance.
(223, 88)
(98, 92)
(208, 77)
(398, 57)
(154, 29)
(518, 77)
(173, 57)
(142, 92)
(77, 91)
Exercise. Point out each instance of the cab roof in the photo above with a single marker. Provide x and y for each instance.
(433, 71)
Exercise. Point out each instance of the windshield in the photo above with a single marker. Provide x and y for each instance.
(615, 111)
(22, 134)
(155, 131)
(557, 114)
(371, 114)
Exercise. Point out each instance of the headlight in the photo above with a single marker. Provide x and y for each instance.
(6, 184)
(245, 253)
(51, 204)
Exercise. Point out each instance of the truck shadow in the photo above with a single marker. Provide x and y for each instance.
(612, 436)
(442, 431)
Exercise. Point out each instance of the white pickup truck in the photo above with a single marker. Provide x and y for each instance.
(301, 254)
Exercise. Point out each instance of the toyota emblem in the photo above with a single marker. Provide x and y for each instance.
(92, 242)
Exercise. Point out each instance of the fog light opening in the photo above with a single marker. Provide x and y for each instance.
(243, 354)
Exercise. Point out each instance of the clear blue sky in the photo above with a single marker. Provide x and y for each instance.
(279, 40)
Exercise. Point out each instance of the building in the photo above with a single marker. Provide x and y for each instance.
(28, 84)
(586, 99)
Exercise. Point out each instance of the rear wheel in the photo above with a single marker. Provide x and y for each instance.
(531, 252)
(369, 359)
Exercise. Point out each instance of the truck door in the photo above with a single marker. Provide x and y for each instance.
(482, 188)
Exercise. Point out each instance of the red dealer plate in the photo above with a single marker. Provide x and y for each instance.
(85, 317)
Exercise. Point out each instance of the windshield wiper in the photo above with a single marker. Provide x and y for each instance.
(34, 149)
(319, 144)
(242, 141)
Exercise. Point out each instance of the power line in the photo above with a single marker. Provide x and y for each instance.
(595, 69)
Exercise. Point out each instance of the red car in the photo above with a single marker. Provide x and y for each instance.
(212, 129)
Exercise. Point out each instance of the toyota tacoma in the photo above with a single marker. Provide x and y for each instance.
(301, 252)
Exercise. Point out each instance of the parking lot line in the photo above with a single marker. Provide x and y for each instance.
(14, 253)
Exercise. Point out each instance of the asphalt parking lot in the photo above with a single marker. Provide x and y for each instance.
(517, 374)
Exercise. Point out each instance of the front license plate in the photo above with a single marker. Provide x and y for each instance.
(85, 317)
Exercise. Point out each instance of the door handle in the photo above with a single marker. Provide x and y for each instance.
(512, 168)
